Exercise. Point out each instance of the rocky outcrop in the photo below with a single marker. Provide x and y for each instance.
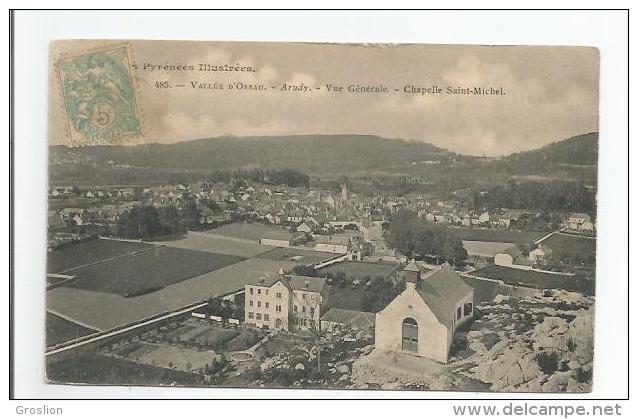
(546, 343)
(537, 344)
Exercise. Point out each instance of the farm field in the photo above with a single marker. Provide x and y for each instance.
(188, 346)
(540, 280)
(58, 204)
(178, 357)
(503, 236)
(103, 310)
(252, 231)
(572, 246)
(148, 271)
(210, 336)
(88, 252)
(485, 249)
(297, 256)
(209, 242)
(359, 270)
(60, 330)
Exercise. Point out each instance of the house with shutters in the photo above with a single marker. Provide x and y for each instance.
(421, 321)
(287, 302)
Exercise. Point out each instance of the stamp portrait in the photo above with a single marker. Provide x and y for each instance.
(99, 98)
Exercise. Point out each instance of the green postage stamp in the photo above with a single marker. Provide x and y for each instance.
(99, 97)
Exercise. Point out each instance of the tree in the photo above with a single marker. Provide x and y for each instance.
(218, 307)
(287, 177)
(211, 205)
(400, 235)
(382, 291)
(454, 252)
(190, 214)
(367, 249)
(544, 196)
(305, 270)
(237, 183)
(526, 247)
(140, 223)
(415, 237)
(170, 219)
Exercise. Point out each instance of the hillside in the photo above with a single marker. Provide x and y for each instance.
(581, 150)
(314, 154)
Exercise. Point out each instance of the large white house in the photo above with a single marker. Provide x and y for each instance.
(288, 302)
(422, 319)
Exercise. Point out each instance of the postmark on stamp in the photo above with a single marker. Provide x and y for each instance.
(98, 94)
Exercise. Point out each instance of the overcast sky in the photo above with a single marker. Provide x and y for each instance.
(551, 93)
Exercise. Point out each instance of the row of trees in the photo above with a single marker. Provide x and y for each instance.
(414, 237)
(147, 222)
(542, 196)
(223, 308)
(87, 173)
(381, 292)
(288, 177)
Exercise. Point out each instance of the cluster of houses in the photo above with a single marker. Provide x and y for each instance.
(513, 257)
(302, 209)
(98, 215)
(62, 192)
(472, 218)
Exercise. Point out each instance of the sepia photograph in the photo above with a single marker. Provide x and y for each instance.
(322, 215)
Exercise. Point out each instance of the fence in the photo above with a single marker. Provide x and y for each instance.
(486, 289)
(120, 239)
(216, 318)
(332, 261)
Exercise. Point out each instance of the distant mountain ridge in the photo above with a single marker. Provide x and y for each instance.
(579, 150)
(307, 153)
(324, 154)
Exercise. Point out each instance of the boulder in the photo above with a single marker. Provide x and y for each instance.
(557, 382)
(343, 369)
(551, 333)
(572, 297)
(581, 335)
(475, 341)
(499, 298)
(508, 367)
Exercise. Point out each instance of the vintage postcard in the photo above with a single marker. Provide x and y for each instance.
(322, 216)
